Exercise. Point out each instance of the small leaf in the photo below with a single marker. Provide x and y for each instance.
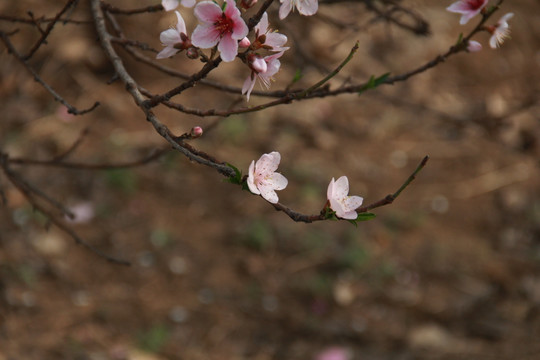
(365, 216)
(460, 39)
(374, 82)
(297, 76)
(237, 178)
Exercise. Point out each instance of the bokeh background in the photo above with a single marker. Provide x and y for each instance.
(451, 270)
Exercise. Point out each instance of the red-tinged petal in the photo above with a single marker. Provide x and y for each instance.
(207, 11)
(205, 36)
(228, 47)
(240, 29)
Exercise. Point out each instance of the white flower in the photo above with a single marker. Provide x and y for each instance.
(305, 7)
(175, 40)
(169, 5)
(263, 180)
(345, 206)
(500, 32)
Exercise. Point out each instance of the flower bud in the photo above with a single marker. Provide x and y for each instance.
(473, 46)
(196, 132)
(192, 53)
(246, 4)
(244, 43)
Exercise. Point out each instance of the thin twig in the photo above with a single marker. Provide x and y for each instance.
(71, 109)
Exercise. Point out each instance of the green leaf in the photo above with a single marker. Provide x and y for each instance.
(237, 178)
(297, 76)
(365, 216)
(460, 39)
(374, 82)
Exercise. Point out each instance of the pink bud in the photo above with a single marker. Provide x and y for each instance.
(192, 53)
(244, 43)
(257, 63)
(474, 46)
(246, 4)
(196, 132)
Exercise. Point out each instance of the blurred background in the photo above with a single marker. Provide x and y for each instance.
(451, 270)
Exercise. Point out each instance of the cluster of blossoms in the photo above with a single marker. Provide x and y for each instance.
(264, 180)
(224, 27)
(469, 9)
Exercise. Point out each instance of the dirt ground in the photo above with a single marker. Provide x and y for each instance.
(451, 270)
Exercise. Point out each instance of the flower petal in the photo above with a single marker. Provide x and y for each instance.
(330, 190)
(285, 8)
(349, 215)
(205, 36)
(169, 4)
(170, 37)
(307, 7)
(166, 52)
(180, 25)
(276, 41)
(262, 26)
(341, 187)
(251, 179)
(278, 181)
(207, 11)
(353, 202)
(269, 194)
(249, 83)
(228, 47)
(188, 3)
(268, 163)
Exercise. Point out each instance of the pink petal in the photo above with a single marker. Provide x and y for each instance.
(240, 29)
(259, 65)
(307, 7)
(474, 46)
(170, 37)
(180, 25)
(205, 36)
(262, 26)
(268, 163)
(249, 83)
(207, 12)
(276, 41)
(188, 3)
(231, 11)
(167, 52)
(349, 215)
(228, 47)
(251, 179)
(169, 5)
(278, 181)
(285, 8)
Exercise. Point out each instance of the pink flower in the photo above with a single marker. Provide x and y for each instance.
(473, 46)
(196, 132)
(334, 353)
(500, 32)
(468, 9)
(169, 5)
(263, 180)
(223, 28)
(175, 40)
(262, 69)
(267, 38)
(305, 7)
(345, 206)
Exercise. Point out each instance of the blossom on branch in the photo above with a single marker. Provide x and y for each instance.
(262, 178)
(175, 40)
(169, 5)
(305, 7)
(262, 68)
(500, 32)
(221, 27)
(345, 206)
(468, 9)
(266, 38)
